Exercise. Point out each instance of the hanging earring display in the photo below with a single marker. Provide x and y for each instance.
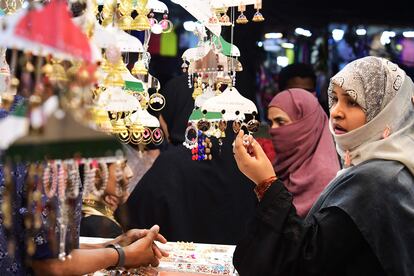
(242, 19)
(156, 101)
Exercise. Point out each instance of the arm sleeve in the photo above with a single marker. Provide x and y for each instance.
(280, 243)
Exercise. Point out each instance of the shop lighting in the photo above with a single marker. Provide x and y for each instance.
(282, 61)
(361, 31)
(288, 45)
(337, 34)
(385, 37)
(260, 44)
(408, 34)
(301, 31)
(273, 35)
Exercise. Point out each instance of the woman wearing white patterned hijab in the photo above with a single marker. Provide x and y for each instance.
(384, 93)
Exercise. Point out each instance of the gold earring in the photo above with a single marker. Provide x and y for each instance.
(242, 19)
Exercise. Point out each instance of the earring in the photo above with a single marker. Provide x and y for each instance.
(198, 90)
(225, 19)
(184, 67)
(104, 176)
(125, 8)
(200, 154)
(190, 142)
(208, 145)
(222, 127)
(50, 179)
(242, 19)
(157, 136)
(152, 20)
(203, 125)
(237, 124)
(213, 19)
(253, 125)
(156, 98)
(62, 181)
(146, 136)
(136, 130)
(258, 17)
(141, 22)
(89, 172)
(165, 23)
(74, 179)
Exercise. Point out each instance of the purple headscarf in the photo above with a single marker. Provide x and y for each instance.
(306, 159)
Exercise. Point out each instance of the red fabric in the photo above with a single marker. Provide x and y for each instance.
(52, 26)
(154, 44)
(267, 146)
(306, 159)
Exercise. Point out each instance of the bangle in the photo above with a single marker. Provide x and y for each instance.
(121, 255)
(262, 187)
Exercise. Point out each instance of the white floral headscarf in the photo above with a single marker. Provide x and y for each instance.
(371, 81)
(386, 95)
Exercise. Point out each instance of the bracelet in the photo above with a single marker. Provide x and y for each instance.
(263, 186)
(121, 255)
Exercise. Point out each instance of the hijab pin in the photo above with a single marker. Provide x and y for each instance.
(387, 132)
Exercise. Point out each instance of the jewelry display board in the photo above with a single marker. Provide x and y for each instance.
(186, 258)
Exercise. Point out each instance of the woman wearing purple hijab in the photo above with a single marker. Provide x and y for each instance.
(306, 159)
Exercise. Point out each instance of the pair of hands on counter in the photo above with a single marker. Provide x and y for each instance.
(251, 159)
(140, 248)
